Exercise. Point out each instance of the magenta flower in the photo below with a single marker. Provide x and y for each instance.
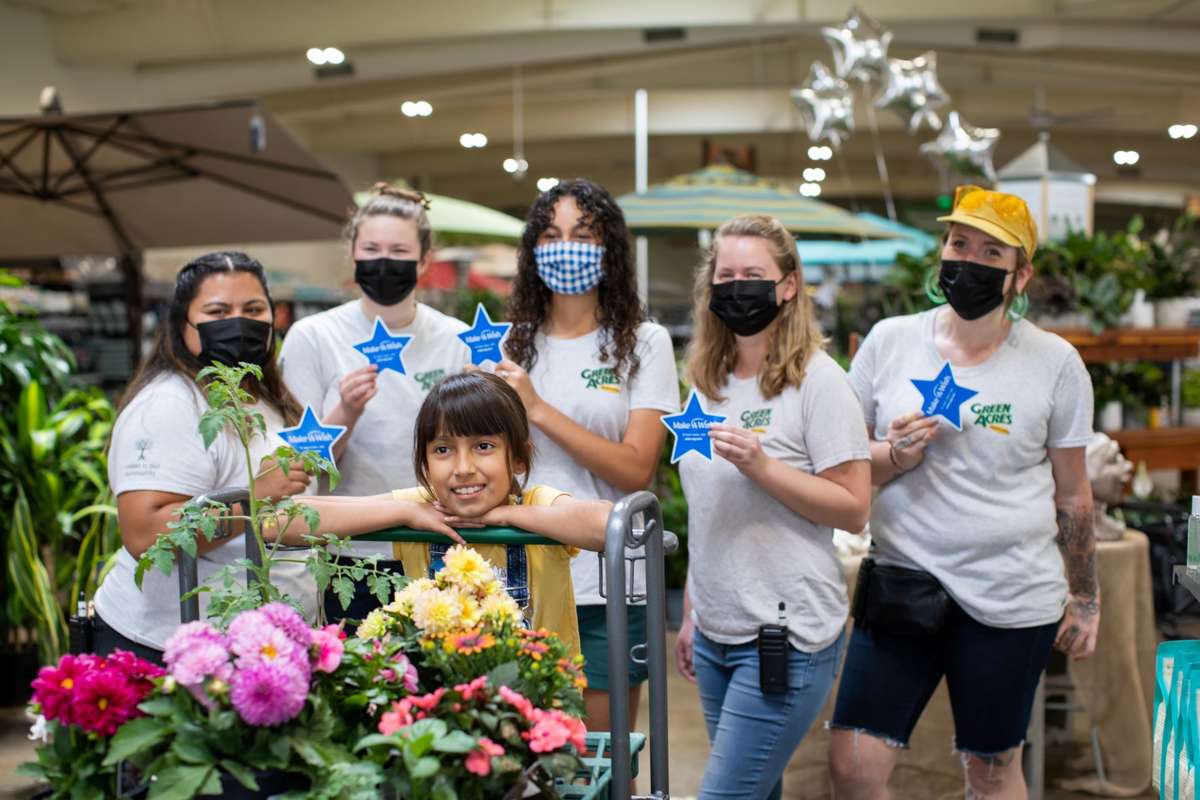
(54, 687)
(328, 647)
(288, 619)
(104, 700)
(268, 692)
(519, 702)
(134, 668)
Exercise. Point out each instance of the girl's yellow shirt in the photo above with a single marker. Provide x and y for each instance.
(551, 595)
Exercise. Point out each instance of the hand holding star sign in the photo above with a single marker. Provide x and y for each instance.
(740, 447)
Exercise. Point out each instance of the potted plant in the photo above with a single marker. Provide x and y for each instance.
(1172, 272)
(60, 518)
(1096, 276)
(78, 705)
(1190, 396)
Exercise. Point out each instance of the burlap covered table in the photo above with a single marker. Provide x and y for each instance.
(1117, 685)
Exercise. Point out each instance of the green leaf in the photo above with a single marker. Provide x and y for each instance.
(281, 748)
(241, 773)
(455, 742)
(179, 782)
(211, 425)
(506, 674)
(191, 751)
(425, 767)
(443, 790)
(136, 736)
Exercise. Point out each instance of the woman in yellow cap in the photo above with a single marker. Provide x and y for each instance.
(978, 421)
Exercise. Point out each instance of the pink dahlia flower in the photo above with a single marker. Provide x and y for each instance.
(288, 619)
(268, 692)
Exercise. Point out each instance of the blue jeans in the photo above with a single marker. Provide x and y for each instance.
(752, 734)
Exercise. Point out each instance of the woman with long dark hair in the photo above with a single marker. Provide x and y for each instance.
(221, 311)
(595, 377)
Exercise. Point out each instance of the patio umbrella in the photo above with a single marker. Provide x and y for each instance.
(864, 259)
(463, 222)
(708, 197)
(119, 182)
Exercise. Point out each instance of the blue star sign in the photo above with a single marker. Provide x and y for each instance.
(384, 349)
(691, 429)
(943, 397)
(311, 436)
(484, 337)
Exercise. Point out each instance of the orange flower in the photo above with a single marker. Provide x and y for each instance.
(469, 642)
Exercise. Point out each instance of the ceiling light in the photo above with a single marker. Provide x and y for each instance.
(334, 56)
(510, 165)
(1182, 130)
(546, 184)
(408, 108)
(810, 189)
(473, 140)
(424, 109)
(316, 56)
(1126, 158)
(416, 108)
(814, 174)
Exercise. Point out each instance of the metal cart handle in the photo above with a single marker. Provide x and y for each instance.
(621, 534)
(489, 535)
(189, 579)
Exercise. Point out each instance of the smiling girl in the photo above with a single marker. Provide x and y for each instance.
(471, 456)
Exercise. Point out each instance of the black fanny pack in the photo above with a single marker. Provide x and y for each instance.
(898, 600)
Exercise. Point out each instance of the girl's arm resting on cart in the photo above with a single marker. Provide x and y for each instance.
(578, 523)
(350, 516)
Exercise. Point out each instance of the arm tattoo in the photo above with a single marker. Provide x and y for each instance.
(1077, 544)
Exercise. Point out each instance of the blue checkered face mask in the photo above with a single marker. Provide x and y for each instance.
(570, 267)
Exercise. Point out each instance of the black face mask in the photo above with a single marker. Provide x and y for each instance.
(971, 289)
(232, 340)
(387, 281)
(746, 307)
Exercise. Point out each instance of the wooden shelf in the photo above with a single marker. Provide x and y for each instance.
(1133, 344)
(1161, 448)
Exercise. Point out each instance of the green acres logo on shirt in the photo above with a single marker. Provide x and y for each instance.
(428, 379)
(603, 378)
(757, 419)
(994, 416)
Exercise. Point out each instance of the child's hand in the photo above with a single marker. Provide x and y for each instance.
(498, 517)
(429, 518)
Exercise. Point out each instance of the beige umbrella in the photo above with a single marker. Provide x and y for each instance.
(120, 182)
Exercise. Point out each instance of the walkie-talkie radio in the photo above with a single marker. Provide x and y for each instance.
(773, 655)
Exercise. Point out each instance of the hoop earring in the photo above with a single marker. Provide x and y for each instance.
(1018, 308)
(932, 289)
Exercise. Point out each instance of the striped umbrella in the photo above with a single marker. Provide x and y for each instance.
(708, 197)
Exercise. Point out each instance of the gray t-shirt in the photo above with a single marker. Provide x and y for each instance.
(318, 352)
(156, 446)
(570, 376)
(978, 513)
(748, 551)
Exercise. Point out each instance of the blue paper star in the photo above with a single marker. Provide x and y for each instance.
(943, 397)
(311, 435)
(484, 337)
(691, 429)
(384, 349)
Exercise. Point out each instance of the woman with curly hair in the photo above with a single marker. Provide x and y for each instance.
(595, 377)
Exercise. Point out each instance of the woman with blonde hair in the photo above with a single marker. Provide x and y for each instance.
(765, 599)
(390, 241)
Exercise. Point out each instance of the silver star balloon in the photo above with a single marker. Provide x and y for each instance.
(859, 46)
(826, 104)
(962, 149)
(911, 89)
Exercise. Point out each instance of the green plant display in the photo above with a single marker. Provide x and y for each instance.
(1190, 389)
(229, 411)
(61, 522)
(1170, 260)
(464, 301)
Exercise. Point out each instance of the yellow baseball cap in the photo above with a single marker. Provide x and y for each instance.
(1004, 216)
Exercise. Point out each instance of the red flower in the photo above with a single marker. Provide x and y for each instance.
(427, 702)
(104, 700)
(54, 687)
(470, 691)
(399, 717)
(519, 702)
